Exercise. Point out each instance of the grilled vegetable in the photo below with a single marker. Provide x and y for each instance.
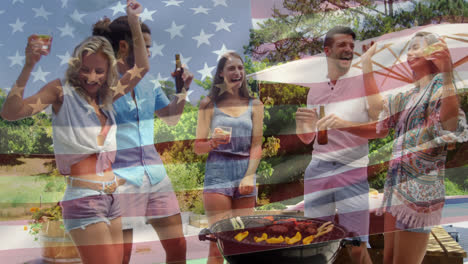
(262, 238)
(239, 237)
(308, 240)
(275, 240)
(294, 239)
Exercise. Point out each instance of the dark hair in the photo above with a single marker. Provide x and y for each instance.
(328, 42)
(217, 79)
(117, 30)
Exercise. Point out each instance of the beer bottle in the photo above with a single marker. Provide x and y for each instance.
(322, 137)
(177, 74)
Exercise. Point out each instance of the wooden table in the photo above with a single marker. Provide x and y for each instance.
(441, 249)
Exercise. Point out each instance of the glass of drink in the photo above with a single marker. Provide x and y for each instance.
(46, 41)
(224, 133)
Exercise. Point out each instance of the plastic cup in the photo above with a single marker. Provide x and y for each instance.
(223, 132)
(46, 42)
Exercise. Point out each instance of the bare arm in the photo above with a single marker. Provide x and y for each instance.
(373, 96)
(449, 105)
(131, 78)
(306, 120)
(172, 112)
(246, 186)
(205, 114)
(15, 107)
(449, 100)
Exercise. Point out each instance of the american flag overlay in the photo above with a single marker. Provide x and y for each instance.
(201, 31)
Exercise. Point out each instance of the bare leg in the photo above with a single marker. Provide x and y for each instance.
(217, 207)
(360, 255)
(389, 238)
(243, 206)
(99, 243)
(128, 244)
(409, 247)
(172, 238)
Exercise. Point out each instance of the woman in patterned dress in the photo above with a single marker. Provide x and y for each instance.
(426, 120)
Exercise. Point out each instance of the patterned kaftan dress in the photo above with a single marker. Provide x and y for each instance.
(414, 189)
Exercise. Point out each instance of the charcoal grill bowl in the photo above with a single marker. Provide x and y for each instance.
(324, 250)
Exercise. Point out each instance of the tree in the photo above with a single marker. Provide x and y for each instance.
(298, 31)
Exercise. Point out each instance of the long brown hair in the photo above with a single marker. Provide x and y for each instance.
(217, 79)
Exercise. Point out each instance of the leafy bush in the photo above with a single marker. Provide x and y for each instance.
(272, 206)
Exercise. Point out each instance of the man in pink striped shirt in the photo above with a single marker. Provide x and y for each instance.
(335, 182)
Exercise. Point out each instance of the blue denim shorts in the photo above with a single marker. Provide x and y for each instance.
(90, 207)
(224, 172)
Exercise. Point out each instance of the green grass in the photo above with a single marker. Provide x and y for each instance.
(24, 190)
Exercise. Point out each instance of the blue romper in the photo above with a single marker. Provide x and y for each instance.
(227, 164)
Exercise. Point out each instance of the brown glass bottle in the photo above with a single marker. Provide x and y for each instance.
(322, 136)
(177, 74)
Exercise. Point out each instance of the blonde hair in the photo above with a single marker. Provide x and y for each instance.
(94, 44)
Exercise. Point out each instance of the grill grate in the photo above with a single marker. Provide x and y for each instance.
(225, 231)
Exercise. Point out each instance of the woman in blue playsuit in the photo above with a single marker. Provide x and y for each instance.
(234, 120)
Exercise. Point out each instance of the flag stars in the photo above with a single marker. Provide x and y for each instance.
(14, 1)
(39, 75)
(200, 10)
(135, 72)
(172, 3)
(158, 80)
(17, 26)
(41, 12)
(65, 58)
(119, 7)
(119, 88)
(181, 97)
(90, 109)
(38, 106)
(223, 88)
(64, 3)
(219, 2)
(184, 60)
(16, 60)
(221, 51)
(16, 91)
(203, 38)
(156, 49)
(147, 15)
(222, 25)
(206, 71)
(66, 30)
(77, 17)
(131, 105)
(175, 30)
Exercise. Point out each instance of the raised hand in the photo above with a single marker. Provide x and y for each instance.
(369, 52)
(34, 50)
(439, 54)
(134, 8)
(187, 77)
